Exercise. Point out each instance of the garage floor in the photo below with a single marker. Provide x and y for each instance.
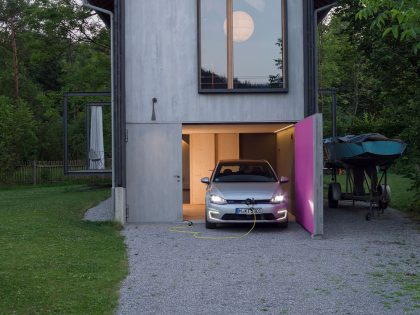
(358, 268)
(193, 213)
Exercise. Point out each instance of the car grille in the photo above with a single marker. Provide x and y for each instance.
(243, 202)
(249, 217)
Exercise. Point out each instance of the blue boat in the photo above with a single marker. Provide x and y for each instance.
(372, 148)
(363, 157)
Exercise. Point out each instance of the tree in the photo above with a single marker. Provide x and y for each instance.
(276, 80)
(11, 24)
(47, 47)
(18, 138)
(377, 79)
(399, 18)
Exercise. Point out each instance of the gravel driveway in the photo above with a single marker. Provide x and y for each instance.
(359, 267)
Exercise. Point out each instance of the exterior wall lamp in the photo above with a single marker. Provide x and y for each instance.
(154, 101)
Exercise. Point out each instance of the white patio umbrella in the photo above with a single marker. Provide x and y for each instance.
(96, 144)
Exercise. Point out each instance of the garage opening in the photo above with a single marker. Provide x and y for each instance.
(204, 145)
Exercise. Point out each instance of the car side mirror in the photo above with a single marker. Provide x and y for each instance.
(284, 180)
(205, 180)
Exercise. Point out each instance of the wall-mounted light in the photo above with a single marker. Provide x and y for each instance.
(283, 129)
(154, 101)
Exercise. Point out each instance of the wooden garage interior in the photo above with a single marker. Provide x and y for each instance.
(204, 145)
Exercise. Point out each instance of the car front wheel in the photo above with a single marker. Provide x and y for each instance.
(284, 225)
(210, 225)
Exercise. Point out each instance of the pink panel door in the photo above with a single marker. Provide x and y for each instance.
(308, 174)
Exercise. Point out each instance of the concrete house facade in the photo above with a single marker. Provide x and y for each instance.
(197, 81)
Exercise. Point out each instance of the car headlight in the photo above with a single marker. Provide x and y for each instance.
(217, 200)
(279, 198)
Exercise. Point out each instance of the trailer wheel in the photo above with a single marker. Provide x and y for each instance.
(332, 204)
(334, 195)
(383, 205)
(384, 196)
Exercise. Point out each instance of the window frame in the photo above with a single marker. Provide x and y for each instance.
(284, 89)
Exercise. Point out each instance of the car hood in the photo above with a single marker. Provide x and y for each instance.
(242, 191)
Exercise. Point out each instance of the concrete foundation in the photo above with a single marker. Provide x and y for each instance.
(120, 204)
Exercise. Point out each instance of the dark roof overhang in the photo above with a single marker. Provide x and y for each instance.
(104, 4)
(109, 5)
(323, 3)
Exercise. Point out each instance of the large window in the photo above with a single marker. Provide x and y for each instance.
(242, 46)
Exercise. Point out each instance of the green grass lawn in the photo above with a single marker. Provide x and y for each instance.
(401, 195)
(52, 262)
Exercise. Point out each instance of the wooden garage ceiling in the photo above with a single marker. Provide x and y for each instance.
(233, 128)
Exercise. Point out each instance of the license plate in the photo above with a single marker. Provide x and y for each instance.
(248, 210)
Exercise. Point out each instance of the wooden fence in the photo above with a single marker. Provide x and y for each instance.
(44, 172)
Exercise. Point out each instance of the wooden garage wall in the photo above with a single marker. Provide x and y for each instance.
(205, 151)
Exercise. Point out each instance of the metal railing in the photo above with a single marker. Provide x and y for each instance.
(43, 172)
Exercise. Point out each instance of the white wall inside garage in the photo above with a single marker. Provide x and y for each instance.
(161, 61)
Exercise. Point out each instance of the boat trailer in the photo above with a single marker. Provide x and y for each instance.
(361, 184)
(364, 158)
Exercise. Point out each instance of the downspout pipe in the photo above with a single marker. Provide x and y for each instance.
(316, 12)
(111, 16)
(95, 8)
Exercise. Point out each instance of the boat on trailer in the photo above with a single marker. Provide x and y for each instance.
(365, 158)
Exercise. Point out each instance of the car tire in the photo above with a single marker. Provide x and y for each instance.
(210, 225)
(284, 225)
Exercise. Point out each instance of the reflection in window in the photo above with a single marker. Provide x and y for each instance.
(213, 45)
(242, 45)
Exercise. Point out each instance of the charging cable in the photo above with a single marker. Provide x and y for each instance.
(198, 235)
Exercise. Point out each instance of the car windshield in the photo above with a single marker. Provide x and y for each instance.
(234, 172)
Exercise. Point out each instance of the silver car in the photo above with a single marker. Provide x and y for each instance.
(239, 188)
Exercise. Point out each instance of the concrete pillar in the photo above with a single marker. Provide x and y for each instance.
(120, 205)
